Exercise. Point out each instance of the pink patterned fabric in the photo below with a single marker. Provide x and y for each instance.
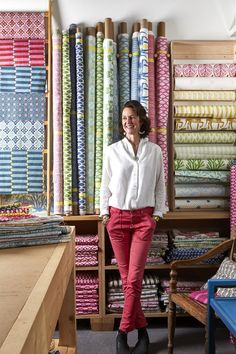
(22, 52)
(200, 295)
(205, 70)
(162, 98)
(151, 88)
(86, 290)
(22, 25)
(232, 196)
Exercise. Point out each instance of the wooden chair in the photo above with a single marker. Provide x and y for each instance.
(192, 307)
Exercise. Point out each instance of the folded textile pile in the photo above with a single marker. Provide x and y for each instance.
(149, 294)
(86, 289)
(86, 250)
(190, 244)
(25, 230)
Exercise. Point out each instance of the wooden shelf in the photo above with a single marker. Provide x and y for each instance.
(86, 268)
(214, 49)
(88, 316)
(175, 215)
(165, 266)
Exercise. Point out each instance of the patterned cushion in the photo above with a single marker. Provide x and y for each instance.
(227, 270)
(200, 295)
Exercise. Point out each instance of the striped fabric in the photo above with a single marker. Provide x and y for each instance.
(22, 79)
(22, 25)
(22, 52)
(21, 172)
(57, 125)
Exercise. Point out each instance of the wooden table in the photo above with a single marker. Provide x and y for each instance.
(36, 291)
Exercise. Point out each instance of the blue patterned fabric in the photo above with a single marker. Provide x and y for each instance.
(135, 67)
(21, 172)
(22, 79)
(21, 135)
(22, 106)
(73, 118)
(80, 122)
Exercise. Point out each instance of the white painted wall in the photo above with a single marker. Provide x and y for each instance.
(185, 19)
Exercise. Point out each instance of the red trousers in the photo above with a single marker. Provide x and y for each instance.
(131, 232)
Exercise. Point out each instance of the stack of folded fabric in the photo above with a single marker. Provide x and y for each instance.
(86, 290)
(158, 248)
(190, 244)
(182, 287)
(204, 136)
(86, 250)
(28, 230)
(149, 295)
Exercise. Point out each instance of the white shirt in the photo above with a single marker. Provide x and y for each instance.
(133, 182)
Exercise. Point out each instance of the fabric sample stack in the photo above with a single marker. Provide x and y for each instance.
(186, 245)
(22, 102)
(149, 294)
(158, 248)
(86, 292)
(204, 137)
(32, 231)
(86, 250)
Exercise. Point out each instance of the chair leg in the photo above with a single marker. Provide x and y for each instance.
(210, 331)
(171, 326)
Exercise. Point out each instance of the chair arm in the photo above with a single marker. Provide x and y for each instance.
(219, 283)
(222, 247)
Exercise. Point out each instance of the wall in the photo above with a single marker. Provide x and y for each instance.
(185, 19)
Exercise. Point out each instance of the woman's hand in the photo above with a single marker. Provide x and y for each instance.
(156, 218)
(105, 219)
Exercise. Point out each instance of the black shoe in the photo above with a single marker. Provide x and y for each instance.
(121, 343)
(142, 344)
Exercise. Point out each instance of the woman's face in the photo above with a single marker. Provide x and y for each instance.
(130, 122)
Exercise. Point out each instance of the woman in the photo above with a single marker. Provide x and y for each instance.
(132, 201)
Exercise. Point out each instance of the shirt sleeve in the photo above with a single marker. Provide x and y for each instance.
(105, 192)
(160, 190)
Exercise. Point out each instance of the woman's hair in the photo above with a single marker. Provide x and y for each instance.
(141, 113)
